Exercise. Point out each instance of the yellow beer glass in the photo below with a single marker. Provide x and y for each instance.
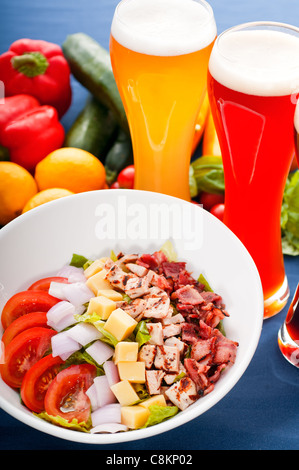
(159, 52)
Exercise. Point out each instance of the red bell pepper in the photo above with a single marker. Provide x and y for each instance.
(37, 68)
(14, 106)
(29, 131)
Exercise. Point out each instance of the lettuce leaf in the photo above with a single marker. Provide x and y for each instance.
(169, 251)
(113, 256)
(290, 216)
(192, 183)
(141, 333)
(203, 281)
(88, 317)
(208, 173)
(82, 357)
(159, 414)
(107, 337)
(78, 261)
(59, 421)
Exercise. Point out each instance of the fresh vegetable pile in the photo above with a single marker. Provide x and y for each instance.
(36, 76)
(115, 344)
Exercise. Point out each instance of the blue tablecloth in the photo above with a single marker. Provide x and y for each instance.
(262, 411)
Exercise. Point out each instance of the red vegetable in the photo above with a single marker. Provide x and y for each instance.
(126, 177)
(37, 380)
(31, 135)
(66, 395)
(14, 106)
(115, 185)
(218, 211)
(37, 68)
(26, 302)
(44, 283)
(20, 324)
(23, 352)
(208, 200)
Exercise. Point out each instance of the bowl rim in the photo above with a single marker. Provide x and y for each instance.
(191, 413)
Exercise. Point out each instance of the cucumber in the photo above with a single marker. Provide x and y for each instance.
(4, 155)
(119, 156)
(94, 130)
(90, 64)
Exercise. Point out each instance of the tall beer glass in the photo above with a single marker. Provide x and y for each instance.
(296, 125)
(252, 83)
(159, 52)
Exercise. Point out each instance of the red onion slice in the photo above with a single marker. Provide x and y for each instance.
(72, 273)
(111, 372)
(56, 290)
(100, 351)
(64, 346)
(84, 333)
(77, 293)
(109, 428)
(61, 315)
(106, 414)
(104, 393)
(92, 395)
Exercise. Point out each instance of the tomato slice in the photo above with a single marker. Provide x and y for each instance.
(37, 380)
(66, 395)
(44, 284)
(26, 302)
(23, 352)
(24, 323)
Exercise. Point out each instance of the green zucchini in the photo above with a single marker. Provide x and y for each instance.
(119, 156)
(90, 64)
(94, 130)
(4, 154)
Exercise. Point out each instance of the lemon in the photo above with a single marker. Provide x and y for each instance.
(17, 186)
(44, 196)
(70, 168)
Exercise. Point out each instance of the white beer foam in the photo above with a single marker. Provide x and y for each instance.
(257, 62)
(164, 27)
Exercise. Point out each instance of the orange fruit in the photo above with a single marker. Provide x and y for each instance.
(70, 168)
(17, 186)
(44, 196)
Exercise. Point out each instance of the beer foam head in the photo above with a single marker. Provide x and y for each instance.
(164, 27)
(260, 62)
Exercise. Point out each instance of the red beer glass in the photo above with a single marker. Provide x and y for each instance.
(288, 335)
(253, 79)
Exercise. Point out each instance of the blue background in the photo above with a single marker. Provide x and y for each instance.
(262, 411)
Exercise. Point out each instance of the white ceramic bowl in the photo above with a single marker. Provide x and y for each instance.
(40, 242)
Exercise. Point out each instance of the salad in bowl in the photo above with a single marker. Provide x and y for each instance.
(116, 343)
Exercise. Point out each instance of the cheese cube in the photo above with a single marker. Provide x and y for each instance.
(98, 281)
(120, 324)
(156, 400)
(102, 306)
(134, 416)
(110, 294)
(124, 392)
(94, 268)
(126, 351)
(132, 371)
